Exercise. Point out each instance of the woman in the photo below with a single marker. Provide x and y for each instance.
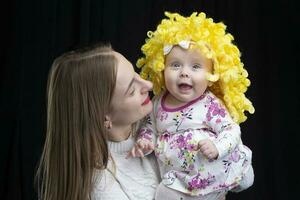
(94, 100)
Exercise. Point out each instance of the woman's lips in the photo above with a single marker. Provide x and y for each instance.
(147, 100)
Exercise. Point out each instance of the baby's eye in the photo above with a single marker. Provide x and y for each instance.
(175, 65)
(197, 66)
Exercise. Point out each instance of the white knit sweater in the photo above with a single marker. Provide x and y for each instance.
(133, 179)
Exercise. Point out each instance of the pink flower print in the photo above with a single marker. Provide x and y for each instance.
(219, 111)
(181, 141)
(191, 167)
(179, 175)
(224, 185)
(198, 183)
(215, 109)
(235, 156)
(165, 136)
(208, 116)
(145, 133)
(161, 114)
(182, 145)
(212, 106)
(189, 136)
(191, 147)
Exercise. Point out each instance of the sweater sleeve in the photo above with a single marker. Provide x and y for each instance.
(228, 132)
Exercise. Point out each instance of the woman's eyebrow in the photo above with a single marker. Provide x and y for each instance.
(130, 84)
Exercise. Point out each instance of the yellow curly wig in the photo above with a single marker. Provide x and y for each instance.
(229, 78)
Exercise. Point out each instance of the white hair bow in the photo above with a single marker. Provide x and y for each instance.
(183, 44)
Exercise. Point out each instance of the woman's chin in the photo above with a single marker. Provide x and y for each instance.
(148, 108)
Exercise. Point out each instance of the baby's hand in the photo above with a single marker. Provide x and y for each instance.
(208, 149)
(141, 146)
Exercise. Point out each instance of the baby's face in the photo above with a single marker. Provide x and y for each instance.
(185, 73)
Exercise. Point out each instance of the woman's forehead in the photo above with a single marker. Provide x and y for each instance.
(125, 73)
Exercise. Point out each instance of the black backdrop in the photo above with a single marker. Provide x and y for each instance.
(36, 31)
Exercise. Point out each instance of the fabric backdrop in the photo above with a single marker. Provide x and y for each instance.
(34, 32)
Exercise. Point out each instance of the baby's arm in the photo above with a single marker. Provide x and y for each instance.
(208, 149)
(145, 140)
(140, 147)
(228, 132)
(228, 138)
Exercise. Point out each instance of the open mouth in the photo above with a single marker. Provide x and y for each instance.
(184, 86)
(147, 100)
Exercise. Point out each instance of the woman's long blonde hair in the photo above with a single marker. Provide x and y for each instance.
(80, 88)
(229, 77)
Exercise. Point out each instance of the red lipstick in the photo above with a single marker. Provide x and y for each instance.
(147, 100)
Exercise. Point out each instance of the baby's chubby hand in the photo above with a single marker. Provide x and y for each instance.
(141, 147)
(208, 149)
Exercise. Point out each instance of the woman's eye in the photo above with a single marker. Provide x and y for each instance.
(132, 92)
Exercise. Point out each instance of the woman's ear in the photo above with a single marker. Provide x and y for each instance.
(210, 83)
(107, 122)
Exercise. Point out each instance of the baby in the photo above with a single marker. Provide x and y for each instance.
(199, 83)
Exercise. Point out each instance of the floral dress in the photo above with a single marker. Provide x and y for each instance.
(175, 132)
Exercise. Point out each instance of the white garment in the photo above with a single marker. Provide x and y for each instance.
(165, 193)
(176, 131)
(133, 179)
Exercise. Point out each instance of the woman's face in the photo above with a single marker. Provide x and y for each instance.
(130, 101)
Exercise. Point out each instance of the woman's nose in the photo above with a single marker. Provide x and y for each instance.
(146, 85)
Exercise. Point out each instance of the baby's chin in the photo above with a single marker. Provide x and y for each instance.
(182, 99)
(185, 99)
